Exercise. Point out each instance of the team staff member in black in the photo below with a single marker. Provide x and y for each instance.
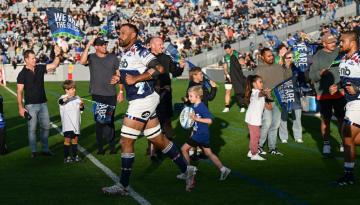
(31, 80)
(102, 67)
(163, 84)
(234, 77)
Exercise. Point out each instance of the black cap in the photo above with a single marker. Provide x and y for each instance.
(227, 46)
(99, 41)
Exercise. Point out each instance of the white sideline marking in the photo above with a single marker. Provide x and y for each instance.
(88, 100)
(141, 200)
(12, 92)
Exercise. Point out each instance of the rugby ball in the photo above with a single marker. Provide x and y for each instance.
(185, 120)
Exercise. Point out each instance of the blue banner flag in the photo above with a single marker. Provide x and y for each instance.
(111, 25)
(173, 52)
(62, 24)
(284, 95)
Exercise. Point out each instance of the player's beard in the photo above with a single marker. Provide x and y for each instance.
(344, 49)
(124, 43)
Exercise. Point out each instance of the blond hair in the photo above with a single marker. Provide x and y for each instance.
(197, 90)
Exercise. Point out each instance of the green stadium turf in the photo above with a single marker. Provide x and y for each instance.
(301, 176)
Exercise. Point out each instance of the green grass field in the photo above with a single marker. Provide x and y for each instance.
(302, 176)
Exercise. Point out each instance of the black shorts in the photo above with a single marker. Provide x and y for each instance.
(333, 106)
(164, 110)
(194, 143)
(227, 80)
(70, 134)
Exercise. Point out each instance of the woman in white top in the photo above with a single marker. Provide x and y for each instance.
(255, 96)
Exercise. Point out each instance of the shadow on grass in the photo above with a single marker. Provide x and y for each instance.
(17, 133)
(311, 125)
(88, 134)
(216, 140)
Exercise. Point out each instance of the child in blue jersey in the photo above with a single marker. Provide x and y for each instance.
(200, 136)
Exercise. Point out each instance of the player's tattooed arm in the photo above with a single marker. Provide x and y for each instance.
(151, 73)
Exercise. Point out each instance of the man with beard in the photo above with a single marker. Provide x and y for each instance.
(350, 81)
(272, 75)
(138, 71)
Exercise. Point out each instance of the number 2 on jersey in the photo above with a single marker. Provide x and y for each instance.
(140, 86)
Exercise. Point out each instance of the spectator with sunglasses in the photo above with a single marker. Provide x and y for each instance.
(296, 112)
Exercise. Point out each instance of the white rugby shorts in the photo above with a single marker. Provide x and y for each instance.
(143, 108)
(352, 112)
(228, 86)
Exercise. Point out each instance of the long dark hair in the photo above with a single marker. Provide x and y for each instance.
(249, 86)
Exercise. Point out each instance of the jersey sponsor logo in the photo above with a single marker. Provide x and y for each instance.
(145, 114)
(345, 71)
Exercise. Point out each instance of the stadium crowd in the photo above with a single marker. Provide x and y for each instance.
(193, 27)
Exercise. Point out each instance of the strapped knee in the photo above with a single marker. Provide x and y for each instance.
(152, 132)
(129, 132)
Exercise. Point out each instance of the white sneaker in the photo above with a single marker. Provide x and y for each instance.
(242, 109)
(326, 149)
(226, 109)
(299, 141)
(190, 177)
(224, 173)
(249, 154)
(341, 149)
(284, 141)
(116, 189)
(181, 176)
(257, 157)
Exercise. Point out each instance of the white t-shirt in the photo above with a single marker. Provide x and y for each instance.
(256, 107)
(70, 115)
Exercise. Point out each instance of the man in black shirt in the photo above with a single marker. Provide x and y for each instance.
(163, 84)
(31, 80)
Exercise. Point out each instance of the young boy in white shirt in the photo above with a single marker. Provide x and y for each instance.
(70, 106)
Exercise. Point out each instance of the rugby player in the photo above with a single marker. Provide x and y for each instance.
(138, 71)
(350, 81)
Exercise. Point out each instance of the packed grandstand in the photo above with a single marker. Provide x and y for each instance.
(194, 26)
